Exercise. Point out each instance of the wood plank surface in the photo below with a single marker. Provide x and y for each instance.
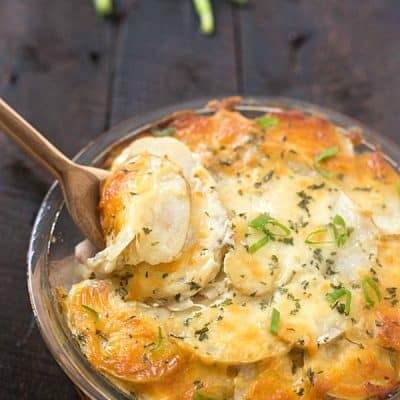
(54, 68)
(340, 54)
(163, 59)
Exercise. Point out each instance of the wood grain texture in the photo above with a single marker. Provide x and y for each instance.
(340, 54)
(54, 68)
(163, 59)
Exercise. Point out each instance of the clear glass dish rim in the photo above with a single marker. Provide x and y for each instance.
(87, 380)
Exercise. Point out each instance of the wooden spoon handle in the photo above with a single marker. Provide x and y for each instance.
(32, 141)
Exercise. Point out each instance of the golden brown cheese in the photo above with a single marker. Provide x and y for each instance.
(165, 336)
(276, 374)
(121, 341)
(115, 337)
(357, 373)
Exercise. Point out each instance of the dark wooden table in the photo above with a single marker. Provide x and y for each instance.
(73, 75)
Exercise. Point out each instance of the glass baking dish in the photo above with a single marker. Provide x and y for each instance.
(54, 235)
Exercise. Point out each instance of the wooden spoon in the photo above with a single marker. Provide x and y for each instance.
(80, 184)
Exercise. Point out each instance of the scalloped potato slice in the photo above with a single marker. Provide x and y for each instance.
(213, 381)
(117, 337)
(269, 380)
(201, 256)
(360, 250)
(145, 214)
(387, 312)
(306, 317)
(164, 147)
(357, 373)
(234, 331)
(262, 272)
(389, 272)
(371, 182)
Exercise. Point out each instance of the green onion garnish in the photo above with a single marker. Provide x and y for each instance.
(163, 132)
(398, 187)
(335, 296)
(367, 281)
(91, 310)
(340, 231)
(260, 221)
(103, 7)
(270, 227)
(205, 12)
(283, 230)
(276, 315)
(325, 155)
(266, 122)
(159, 340)
(312, 237)
(264, 222)
(201, 396)
(257, 245)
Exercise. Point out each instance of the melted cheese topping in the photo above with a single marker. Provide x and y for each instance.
(217, 332)
(302, 306)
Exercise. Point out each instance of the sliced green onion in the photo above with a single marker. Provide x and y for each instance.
(322, 172)
(91, 310)
(347, 303)
(257, 245)
(340, 231)
(310, 237)
(266, 122)
(398, 187)
(205, 12)
(275, 317)
(328, 153)
(325, 155)
(367, 281)
(261, 224)
(103, 7)
(284, 230)
(163, 132)
(264, 223)
(159, 340)
(260, 221)
(338, 220)
(201, 396)
(337, 295)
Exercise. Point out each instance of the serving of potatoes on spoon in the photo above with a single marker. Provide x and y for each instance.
(145, 210)
(162, 219)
